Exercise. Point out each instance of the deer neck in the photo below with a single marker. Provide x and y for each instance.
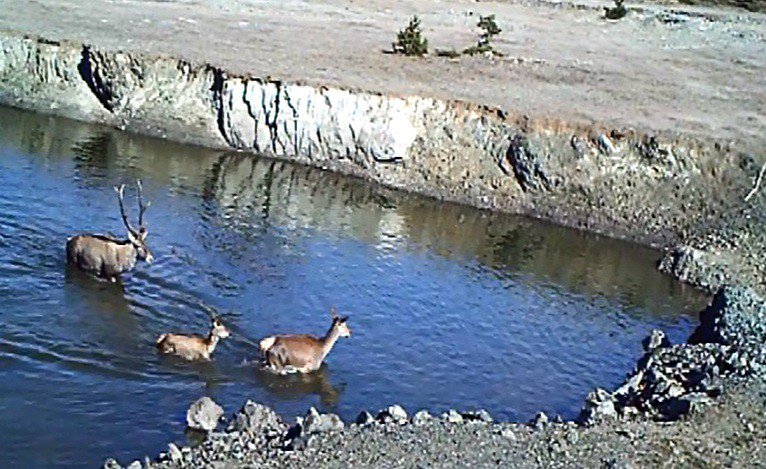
(211, 342)
(127, 256)
(328, 341)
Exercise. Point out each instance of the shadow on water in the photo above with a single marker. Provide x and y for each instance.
(551, 312)
(298, 386)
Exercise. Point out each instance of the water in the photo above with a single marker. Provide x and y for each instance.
(449, 306)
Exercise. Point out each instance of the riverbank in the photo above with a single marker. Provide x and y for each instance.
(649, 129)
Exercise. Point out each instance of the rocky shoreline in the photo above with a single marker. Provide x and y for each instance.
(725, 357)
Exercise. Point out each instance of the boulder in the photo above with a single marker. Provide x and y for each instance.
(204, 414)
(394, 413)
(657, 339)
(314, 422)
(256, 418)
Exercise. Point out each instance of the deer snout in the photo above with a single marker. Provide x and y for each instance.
(149, 258)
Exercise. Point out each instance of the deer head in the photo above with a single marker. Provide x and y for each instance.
(340, 323)
(218, 329)
(137, 237)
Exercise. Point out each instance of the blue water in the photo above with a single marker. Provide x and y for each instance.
(449, 306)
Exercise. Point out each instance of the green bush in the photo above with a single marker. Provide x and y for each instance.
(489, 29)
(410, 40)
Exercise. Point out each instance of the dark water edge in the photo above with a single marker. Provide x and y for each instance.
(450, 306)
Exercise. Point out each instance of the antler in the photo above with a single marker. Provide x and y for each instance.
(141, 207)
(333, 312)
(120, 191)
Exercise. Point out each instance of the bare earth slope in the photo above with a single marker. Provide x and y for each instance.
(700, 73)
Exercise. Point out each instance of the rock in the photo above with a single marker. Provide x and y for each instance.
(174, 453)
(599, 405)
(421, 417)
(256, 418)
(394, 413)
(364, 418)
(111, 464)
(477, 416)
(540, 421)
(657, 339)
(607, 145)
(314, 422)
(452, 416)
(526, 166)
(204, 414)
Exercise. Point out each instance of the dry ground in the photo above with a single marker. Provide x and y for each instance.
(699, 73)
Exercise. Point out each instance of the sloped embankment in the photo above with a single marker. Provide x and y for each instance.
(662, 190)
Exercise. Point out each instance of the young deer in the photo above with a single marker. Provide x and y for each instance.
(302, 353)
(192, 347)
(108, 257)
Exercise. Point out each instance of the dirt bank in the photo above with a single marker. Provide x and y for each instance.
(649, 129)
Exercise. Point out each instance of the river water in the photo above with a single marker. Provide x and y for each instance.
(449, 306)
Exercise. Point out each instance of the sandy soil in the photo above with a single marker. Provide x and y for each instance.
(700, 72)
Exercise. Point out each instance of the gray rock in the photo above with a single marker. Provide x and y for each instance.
(314, 422)
(421, 417)
(111, 464)
(394, 413)
(599, 405)
(657, 339)
(174, 453)
(477, 416)
(539, 421)
(452, 416)
(364, 418)
(256, 418)
(204, 414)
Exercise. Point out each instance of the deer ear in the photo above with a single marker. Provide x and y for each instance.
(142, 232)
(132, 238)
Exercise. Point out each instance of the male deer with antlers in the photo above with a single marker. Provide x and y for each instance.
(108, 257)
(302, 353)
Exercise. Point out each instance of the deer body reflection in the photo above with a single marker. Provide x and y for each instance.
(302, 353)
(107, 257)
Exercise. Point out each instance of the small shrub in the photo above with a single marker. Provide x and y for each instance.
(489, 29)
(449, 53)
(618, 11)
(410, 40)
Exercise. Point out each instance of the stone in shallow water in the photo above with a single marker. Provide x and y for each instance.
(204, 414)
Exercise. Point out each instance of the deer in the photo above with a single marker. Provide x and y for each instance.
(193, 347)
(302, 353)
(106, 256)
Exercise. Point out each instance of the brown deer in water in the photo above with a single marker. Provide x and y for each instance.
(192, 347)
(302, 353)
(108, 257)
